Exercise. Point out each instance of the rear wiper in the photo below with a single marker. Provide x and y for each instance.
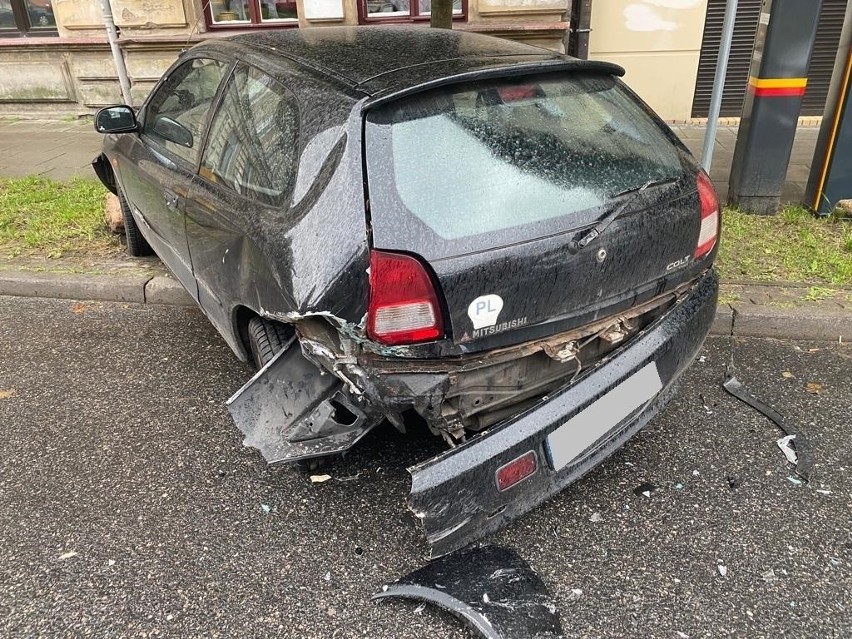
(577, 245)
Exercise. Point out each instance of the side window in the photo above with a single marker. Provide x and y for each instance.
(252, 146)
(177, 113)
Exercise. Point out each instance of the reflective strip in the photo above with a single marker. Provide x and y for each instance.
(779, 87)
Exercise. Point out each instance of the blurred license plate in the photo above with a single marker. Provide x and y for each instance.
(586, 427)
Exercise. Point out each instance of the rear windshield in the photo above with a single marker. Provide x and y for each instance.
(486, 157)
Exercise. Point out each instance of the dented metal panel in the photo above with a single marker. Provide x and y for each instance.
(292, 410)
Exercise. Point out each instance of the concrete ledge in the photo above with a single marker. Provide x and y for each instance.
(72, 286)
(723, 324)
(791, 323)
(165, 290)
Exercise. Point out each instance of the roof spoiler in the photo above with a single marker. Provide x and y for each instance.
(549, 66)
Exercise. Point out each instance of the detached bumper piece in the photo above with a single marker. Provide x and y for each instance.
(456, 494)
(293, 410)
(490, 588)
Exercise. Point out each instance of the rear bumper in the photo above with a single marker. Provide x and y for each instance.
(455, 494)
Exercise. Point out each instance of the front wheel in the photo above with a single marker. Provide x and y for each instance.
(137, 246)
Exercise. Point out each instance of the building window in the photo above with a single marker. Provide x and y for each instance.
(247, 13)
(27, 18)
(403, 10)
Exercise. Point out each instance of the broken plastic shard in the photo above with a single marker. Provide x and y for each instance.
(769, 576)
(803, 448)
(723, 570)
(265, 508)
(789, 450)
(68, 555)
(576, 593)
(794, 480)
(595, 518)
(319, 479)
(488, 587)
(644, 490)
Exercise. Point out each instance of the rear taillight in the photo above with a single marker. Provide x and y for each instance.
(709, 216)
(404, 307)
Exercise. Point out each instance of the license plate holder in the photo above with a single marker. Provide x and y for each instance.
(570, 440)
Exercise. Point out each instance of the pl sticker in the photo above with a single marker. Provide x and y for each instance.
(484, 310)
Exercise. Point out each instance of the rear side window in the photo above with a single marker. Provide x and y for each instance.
(252, 144)
(485, 157)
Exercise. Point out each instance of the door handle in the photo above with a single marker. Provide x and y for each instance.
(171, 200)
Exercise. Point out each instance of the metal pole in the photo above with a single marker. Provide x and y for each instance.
(719, 83)
(117, 57)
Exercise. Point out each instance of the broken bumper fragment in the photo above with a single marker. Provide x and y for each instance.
(290, 410)
(456, 494)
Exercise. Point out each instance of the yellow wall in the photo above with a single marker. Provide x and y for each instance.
(658, 43)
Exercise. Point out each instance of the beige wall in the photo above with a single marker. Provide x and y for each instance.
(658, 43)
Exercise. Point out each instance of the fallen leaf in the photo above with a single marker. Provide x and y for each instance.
(813, 388)
(318, 479)
(78, 308)
(786, 374)
(6, 394)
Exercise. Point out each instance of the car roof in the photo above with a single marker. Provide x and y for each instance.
(384, 60)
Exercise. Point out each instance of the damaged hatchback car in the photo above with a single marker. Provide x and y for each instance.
(392, 222)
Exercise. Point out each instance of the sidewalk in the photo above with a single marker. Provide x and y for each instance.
(60, 150)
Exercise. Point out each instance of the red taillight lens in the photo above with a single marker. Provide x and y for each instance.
(516, 470)
(709, 216)
(404, 308)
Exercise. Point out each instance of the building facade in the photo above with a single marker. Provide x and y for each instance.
(55, 58)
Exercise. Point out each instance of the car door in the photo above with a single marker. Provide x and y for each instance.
(236, 214)
(162, 160)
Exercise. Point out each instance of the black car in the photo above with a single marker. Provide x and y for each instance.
(401, 222)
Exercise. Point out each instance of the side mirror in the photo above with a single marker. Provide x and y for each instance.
(173, 131)
(116, 119)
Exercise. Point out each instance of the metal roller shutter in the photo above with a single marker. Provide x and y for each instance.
(745, 27)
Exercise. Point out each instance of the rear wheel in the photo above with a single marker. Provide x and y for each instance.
(266, 339)
(137, 246)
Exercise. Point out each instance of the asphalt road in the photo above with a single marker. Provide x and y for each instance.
(116, 446)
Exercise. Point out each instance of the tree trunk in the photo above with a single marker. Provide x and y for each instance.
(442, 14)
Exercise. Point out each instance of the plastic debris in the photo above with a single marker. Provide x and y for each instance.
(707, 410)
(834, 561)
(489, 588)
(723, 570)
(822, 491)
(265, 508)
(695, 473)
(111, 562)
(678, 486)
(702, 359)
(68, 555)
(804, 463)
(644, 490)
(319, 479)
(789, 448)
(350, 478)
(576, 593)
(769, 576)
(682, 635)
(595, 518)
(327, 576)
(794, 480)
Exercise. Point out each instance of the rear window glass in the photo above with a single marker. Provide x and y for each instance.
(485, 157)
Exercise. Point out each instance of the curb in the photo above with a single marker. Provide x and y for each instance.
(738, 319)
(138, 289)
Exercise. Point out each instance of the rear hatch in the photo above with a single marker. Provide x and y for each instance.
(491, 184)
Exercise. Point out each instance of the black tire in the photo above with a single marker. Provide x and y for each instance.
(266, 339)
(137, 246)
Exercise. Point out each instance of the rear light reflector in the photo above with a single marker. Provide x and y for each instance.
(516, 470)
(709, 216)
(403, 304)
